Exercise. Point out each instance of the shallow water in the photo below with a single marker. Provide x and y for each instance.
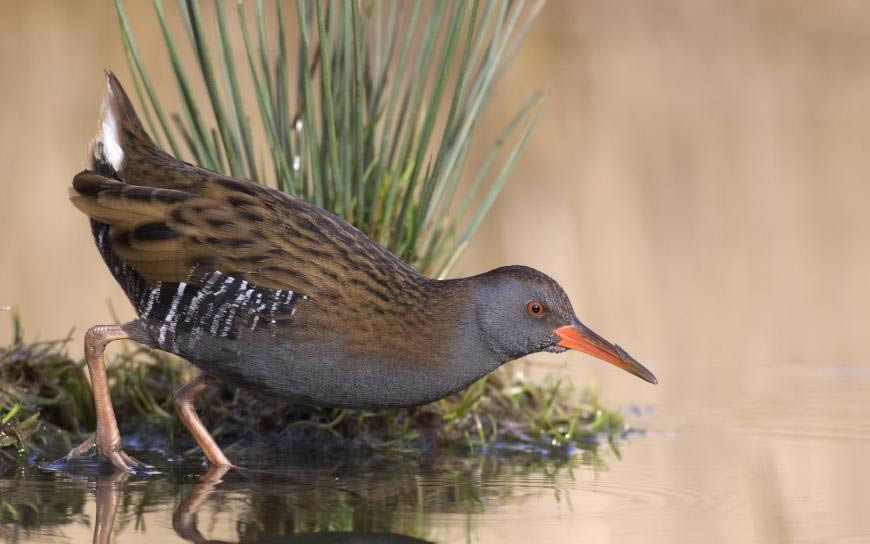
(768, 454)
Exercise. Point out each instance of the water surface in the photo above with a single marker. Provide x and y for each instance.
(773, 453)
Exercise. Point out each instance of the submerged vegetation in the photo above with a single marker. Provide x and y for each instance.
(46, 406)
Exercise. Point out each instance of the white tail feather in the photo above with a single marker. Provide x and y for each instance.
(106, 145)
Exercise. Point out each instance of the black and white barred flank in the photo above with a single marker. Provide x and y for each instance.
(179, 315)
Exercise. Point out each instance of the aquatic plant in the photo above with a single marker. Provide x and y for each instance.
(388, 96)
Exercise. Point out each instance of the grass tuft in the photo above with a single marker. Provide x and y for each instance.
(387, 99)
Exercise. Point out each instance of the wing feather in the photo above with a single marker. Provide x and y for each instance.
(234, 227)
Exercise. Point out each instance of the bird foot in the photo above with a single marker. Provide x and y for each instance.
(106, 450)
(82, 449)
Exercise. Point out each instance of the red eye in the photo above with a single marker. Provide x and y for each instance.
(535, 308)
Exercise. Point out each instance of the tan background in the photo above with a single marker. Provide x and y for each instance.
(698, 182)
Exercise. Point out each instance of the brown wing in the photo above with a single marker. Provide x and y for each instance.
(238, 228)
(178, 225)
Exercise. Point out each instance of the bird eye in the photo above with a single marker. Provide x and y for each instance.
(535, 308)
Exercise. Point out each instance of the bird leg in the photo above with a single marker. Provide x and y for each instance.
(184, 406)
(107, 438)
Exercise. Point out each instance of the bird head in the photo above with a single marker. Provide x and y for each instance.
(522, 311)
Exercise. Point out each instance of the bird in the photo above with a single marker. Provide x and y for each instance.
(270, 293)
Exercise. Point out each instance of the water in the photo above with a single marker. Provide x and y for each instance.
(763, 453)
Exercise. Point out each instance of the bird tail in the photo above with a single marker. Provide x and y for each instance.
(120, 135)
(128, 188)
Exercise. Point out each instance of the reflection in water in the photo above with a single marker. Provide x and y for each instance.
(380, 501)
(184, 521)
(763, 466)
(108, 496)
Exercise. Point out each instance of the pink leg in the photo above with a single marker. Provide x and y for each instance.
(184, 406)
(107, 438)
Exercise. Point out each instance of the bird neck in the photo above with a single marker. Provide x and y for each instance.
(437, 320)
(473, 353)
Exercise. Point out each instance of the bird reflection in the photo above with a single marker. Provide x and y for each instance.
(109, 490)
(339, 500)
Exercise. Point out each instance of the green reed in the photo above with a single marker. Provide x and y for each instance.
(371, 117)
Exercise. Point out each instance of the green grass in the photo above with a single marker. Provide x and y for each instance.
(46, 406)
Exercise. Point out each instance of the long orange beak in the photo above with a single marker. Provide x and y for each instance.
(580, 337)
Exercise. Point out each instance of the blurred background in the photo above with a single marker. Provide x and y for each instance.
(698, 183)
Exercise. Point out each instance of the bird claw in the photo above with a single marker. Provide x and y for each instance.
(125, 463)
(112, 452)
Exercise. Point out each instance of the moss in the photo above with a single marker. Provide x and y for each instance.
(46, 406)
